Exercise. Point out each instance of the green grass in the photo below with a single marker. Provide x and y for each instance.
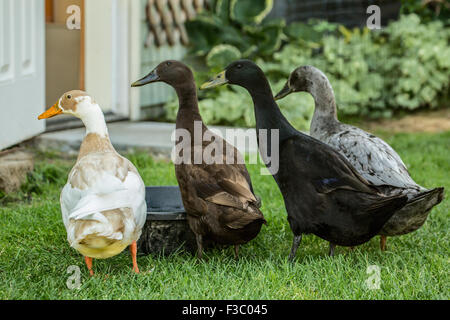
(34, 253)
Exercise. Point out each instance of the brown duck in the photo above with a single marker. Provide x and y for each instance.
(217, 193)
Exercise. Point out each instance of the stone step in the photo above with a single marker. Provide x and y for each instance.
(14, 166)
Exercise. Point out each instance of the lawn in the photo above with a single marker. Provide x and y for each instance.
(35, 255)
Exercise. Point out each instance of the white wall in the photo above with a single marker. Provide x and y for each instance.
(98, 51)
(109, 51)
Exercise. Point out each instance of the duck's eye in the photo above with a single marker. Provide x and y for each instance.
(69, 96)
(168, 63)
(239, 66)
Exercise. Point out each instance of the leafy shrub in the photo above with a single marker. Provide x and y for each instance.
(417, 63)
(346, 58)
(427, 10)
(235, 29)
(404, 66)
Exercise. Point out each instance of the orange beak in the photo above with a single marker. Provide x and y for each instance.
(53, 111)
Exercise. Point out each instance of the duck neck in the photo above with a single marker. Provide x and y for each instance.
(94, 121)
(325, 113)
(96, 138)
(272, 128)
(267, 113)
(188, 111)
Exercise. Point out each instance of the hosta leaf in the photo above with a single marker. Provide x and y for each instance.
(253, 11)
(221, 55)
(222, 9)
(203, 33)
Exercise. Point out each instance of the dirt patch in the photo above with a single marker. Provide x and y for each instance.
(431, 121)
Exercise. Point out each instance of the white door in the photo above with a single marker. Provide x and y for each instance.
(22, 78)
(107, 53)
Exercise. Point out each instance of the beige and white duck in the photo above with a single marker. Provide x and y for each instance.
(103, 203)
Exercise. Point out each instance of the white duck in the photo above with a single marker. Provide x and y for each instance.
(373, 158)
(103, 203)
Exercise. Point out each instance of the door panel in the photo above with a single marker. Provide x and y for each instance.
(22, 79)
(6, 36)
(27, 36)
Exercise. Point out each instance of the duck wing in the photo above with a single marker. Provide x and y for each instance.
(221, 185)
(100, 182)
(228, 152)
(216, 181)
(230, 187)
(327, 169)
(374, 159)
(231, 180)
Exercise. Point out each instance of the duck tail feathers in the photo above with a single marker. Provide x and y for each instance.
(429, 198)
(384, 209)
(388, 204)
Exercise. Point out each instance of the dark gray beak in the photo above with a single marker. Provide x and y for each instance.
(284, 92)
(151, 77)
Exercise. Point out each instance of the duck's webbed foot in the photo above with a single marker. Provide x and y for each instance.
(236, 252)
(383, 243)
(295, 244)
(133, 250)
(89, 265)
(332, 247)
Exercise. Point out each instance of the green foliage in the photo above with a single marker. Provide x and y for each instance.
(250, 11)
(237, 25)
(221, 55)
(417, 64)
(404, 66)
(427, 10)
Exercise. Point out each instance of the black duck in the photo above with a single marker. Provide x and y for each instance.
(323, 193)
(373, 158)
(218, 197)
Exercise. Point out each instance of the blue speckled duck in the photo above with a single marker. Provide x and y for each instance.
(373, 158)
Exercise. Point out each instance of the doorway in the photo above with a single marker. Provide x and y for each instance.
(64, 55)
(91, 55)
